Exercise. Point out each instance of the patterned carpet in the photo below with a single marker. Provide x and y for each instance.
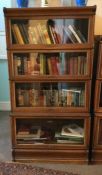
(27, 169)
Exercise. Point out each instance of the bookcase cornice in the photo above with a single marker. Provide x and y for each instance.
(53, 11)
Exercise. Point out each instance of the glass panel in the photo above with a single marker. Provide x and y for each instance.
(100, 133)
(61, 63)
(100, 102)
(48, 131)
(49, 31)
(70, 94)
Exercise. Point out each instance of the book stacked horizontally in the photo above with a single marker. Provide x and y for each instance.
(71, 133)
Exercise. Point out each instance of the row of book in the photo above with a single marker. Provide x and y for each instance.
(42, 64)
(48, 33)
(65, 97)
(36, 134)
(38, 34)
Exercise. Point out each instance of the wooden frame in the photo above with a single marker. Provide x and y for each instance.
(97, 106)
(80, 151)
(89, 63)
(50, 152)
(99, 65)
(85, 108)
(97, 147)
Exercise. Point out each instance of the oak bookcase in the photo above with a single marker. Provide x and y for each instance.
(97, 135)
(50, 60)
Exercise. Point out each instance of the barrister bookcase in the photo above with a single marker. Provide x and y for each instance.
(97, 134)
(50, 60)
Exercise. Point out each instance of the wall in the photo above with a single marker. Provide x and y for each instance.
(98, 19)
(4, 84)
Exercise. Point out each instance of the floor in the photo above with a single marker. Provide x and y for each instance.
(5, 152)
(5, 141)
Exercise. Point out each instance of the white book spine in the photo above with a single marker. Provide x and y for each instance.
(75, 34)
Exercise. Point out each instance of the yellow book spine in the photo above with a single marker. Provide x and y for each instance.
(18, 34)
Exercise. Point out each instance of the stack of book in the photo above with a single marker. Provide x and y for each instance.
(72, 134)
(31, 135)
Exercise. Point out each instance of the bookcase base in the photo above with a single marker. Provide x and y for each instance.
(52, 156)
(97, 157)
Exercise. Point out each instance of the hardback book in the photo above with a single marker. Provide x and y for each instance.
(72, 29)
(72, 130)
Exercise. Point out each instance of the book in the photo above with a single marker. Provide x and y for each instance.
(34, 64)
(33, 97)
(82, 98)
(25, 30)
(25, 65)
(81, 36)
(41, 31)
(62, 64)
(46, 35)
(51, 35)
(18, 34)
(32, 36)
(69, 98)
(14, 35)
(72, 130)
(40, 36)
(32, 138)
(67, 137)
(42, 59)
(22, 31)
(69, 37)
(20, 97)
(35, 131)
(56, 38)
(17, 65)
(64, 97)
(54, 61)
(72, 29)
(70, 141)
(26, 97)
(63, 139)
(49, 66)
(73, 97)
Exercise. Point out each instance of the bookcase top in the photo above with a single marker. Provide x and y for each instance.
(46, 11)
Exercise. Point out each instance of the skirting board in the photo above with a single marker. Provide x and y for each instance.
(5, 106)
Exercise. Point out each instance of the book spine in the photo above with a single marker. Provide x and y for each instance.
(42, 64)
(14, 35)
(54, 68)
(75, 34)
(46, 35)
(22, 33)
(51, 34)
(69, 36)
(31, 34)
(25, 30)
(49, 65)
(20, 97)
(18, 34)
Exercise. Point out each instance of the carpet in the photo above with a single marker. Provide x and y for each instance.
(11, 168)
